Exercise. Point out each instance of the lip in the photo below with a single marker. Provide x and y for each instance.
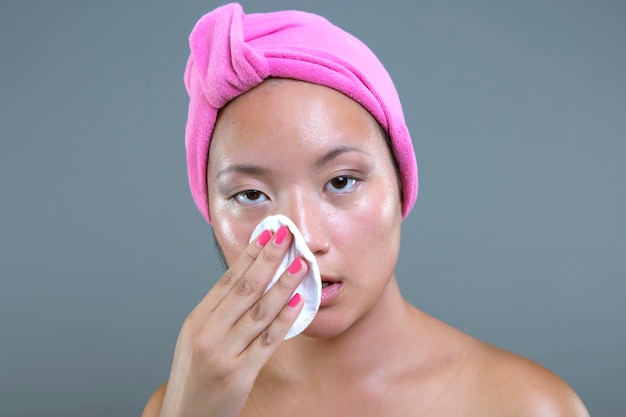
(330, 292)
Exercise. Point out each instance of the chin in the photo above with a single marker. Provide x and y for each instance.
(326, 326)
(317, 332)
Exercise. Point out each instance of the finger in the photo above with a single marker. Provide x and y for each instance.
(234, 273)
(263, 347)
(267, 309)
(252, 284)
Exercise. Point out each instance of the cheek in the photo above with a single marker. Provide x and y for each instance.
(232, 230)
(373, 224)
(232, 237)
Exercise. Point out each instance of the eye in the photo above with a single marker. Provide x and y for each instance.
(340, 184)
(250, 197)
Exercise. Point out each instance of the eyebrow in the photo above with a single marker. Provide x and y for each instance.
(335, 153)
(247, 169)
(257, 171)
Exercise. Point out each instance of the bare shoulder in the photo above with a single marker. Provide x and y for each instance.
(506, 384)
(153, 406)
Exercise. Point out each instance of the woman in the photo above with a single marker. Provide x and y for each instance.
(302, 120)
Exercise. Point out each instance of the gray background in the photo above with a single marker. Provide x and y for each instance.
(517, 111)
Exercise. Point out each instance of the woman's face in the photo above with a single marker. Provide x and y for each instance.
(312, 154)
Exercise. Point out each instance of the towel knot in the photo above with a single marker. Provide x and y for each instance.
(227, 66)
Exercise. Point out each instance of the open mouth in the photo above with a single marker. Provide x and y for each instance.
(326, 284)
(330, 291)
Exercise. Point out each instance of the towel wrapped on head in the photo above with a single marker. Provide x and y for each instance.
(232, 52)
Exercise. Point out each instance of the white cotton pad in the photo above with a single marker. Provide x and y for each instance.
(310, 289)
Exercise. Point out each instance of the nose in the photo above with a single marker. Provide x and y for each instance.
(309, 219)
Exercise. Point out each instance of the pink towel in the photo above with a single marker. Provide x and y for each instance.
(232, 52)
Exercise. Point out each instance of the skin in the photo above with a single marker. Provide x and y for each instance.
(313, 154)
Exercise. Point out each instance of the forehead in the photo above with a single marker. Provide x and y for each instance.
(284, 114)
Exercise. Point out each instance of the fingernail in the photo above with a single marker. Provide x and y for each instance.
(264, 237)
(295, 300)
(295, 266)
(281, 234)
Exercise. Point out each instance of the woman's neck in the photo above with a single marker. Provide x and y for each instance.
(383, 335)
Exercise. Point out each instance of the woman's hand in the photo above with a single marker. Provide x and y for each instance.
(233, 331)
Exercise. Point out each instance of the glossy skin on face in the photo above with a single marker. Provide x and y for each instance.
(310, 153)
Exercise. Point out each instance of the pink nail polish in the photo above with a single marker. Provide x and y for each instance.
(264, 237)
(295, 266)
(281, 234)
(295, 300)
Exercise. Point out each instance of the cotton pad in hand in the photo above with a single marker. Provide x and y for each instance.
(310, 289)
